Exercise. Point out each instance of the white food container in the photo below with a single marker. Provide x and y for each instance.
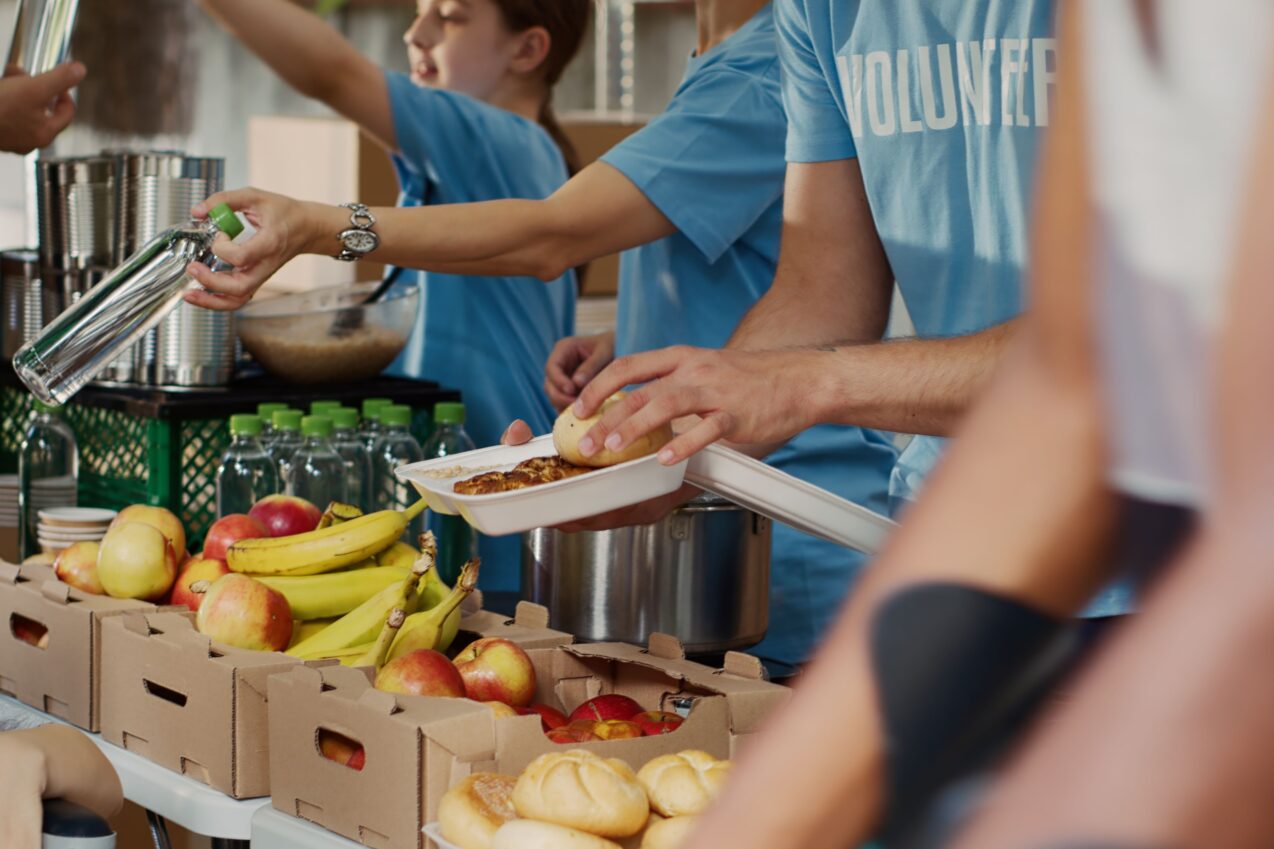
(543, 505)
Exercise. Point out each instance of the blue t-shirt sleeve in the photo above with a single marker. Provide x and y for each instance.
(712, 162)
(816, 131)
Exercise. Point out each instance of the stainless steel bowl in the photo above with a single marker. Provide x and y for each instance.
(701, 574)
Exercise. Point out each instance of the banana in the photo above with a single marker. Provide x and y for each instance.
(407, 602)
(305, 630)
(323, 550)
(347, 656)
(428, 629)
(434, 591)
(399, 554)
(337, 512)
(332, 594)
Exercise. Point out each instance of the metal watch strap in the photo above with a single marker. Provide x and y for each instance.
(360, 218)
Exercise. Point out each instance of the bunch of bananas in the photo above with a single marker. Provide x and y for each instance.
(350, 577)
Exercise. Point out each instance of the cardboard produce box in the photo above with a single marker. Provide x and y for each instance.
(529, 627)
(196, 707)
(61, 674)
(416, 748)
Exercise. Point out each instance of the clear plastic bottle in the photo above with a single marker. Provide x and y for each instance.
(358, 463)
(457, 541)
(265, 412)
(371, 421)
(115, 313)
(246, 474)
(396, 447)
(286, 442)
(48, 472)
(318, 472)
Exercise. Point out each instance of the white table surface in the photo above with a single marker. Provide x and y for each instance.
(273, 829)
(183, 801)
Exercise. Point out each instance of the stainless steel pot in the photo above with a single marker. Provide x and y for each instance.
(701, 574)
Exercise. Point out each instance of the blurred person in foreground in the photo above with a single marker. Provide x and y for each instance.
(33, 110)
(1137, 395)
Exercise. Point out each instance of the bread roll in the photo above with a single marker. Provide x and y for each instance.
(669, 833)
(579, 790)
(684, 783)
(471, 812)
(530, 834)
(569, 430)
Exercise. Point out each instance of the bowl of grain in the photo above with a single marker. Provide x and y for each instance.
(328, 335)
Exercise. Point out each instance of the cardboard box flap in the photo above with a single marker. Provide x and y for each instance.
(379, 701)
(56, 591)
(531, 615)
(744, 665)
(9, 572)
(463, 727)
(666, 646)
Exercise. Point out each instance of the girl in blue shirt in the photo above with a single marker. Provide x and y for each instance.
(473, 122)
(695, 200)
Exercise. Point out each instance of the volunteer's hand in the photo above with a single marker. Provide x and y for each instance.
(750, 397)
(33, 110)
(22, 785)
(283, 228)
(572, 363)
(638, 514)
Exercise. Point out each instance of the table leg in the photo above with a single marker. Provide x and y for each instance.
(158, 830)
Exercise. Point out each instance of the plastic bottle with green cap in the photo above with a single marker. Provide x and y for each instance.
(318, 472)
(358, 463)
(371, 421)
(321, 408)
(246, 474)
(457, 541)
(266, 411)
(115, 313)
(396, 447)
(286, 442)
(48, 471)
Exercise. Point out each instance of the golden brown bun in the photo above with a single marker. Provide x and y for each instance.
(578, 789)
(530, 834)
(472, 812)
(669, 833)
(684, 783)
(569, 430)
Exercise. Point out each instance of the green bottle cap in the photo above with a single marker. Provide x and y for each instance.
(370, 405)
(267, 410)
(225, 219)
(449, 412)
(395, 415)
(245, 424)
(287, 420)
(317, 407)
(316, 426)
(345, 418)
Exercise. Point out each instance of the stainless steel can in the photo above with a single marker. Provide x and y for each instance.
(702, 574)
(42, 34)
(20, 289)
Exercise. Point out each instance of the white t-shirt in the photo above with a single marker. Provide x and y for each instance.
(1172, 114)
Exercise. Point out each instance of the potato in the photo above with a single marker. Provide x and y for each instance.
(568, 430)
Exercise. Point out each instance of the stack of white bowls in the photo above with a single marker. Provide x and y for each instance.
(8, 501)
(61, 527)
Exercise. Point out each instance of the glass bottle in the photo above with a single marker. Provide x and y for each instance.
(246, 474)
(318, 472)
(286, 442)
(396, 447)
(371, 421)
(115, 313)
(457, 541)
(358, 463)
(266, 411)
(48, 471)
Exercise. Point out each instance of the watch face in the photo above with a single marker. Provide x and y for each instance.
(359, 241)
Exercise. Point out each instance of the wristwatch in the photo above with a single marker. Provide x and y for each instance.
(359, 239)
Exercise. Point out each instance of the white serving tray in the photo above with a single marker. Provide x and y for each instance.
(787, 499)
(434, 832)
(540, 506)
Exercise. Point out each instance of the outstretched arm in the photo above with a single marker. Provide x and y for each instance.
(312, 57)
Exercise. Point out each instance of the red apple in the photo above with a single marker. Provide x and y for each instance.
(343, 750)
(243, 612)
(495, 669)
(550, 718)
(77, 566)
(656, 722)
(423, 672)
(29, 631)
(610, 706)
(229, 529)
(568, 734)
(286, 515)
(159, 519)
(136, 560)
(617, 729)
(195, 579)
